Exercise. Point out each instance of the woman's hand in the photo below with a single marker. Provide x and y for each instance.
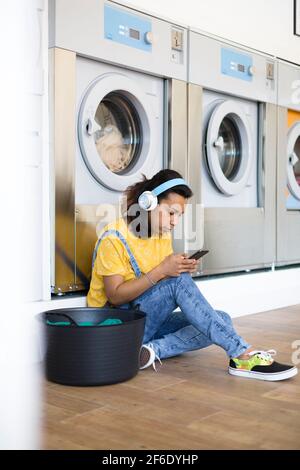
(119, 291)
(174, 265)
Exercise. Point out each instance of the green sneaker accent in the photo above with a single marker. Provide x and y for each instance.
(257, 358)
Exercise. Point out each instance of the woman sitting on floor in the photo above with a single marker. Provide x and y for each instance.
(134, 264)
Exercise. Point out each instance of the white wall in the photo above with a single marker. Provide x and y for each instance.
(22, 97)
(266, 25)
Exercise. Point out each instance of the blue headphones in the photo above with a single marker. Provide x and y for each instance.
(148, 199)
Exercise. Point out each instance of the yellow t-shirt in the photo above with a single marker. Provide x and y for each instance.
(112, 258)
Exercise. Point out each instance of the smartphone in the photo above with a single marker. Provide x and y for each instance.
(198, 254)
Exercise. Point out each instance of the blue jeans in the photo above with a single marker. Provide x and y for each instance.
(197, 326)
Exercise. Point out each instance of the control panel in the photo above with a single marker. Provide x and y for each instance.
(127, 28)
(236, 64)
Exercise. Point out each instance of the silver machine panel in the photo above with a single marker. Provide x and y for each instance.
(232, 93)
(288, 165)
(114, 73)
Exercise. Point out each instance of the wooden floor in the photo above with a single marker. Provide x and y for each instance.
(191, 403)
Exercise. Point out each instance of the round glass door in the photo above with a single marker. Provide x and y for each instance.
(230, 151)
(228, 148)
(293, 165)
(119, 137)
(116, 131)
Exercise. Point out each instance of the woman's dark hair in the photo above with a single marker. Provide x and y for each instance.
(133, 192)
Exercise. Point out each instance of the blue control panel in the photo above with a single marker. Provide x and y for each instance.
(126, 28)
(236, 64)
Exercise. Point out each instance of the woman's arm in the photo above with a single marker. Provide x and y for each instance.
(119, 292)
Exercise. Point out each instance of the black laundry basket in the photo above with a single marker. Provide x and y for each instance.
(92, 355)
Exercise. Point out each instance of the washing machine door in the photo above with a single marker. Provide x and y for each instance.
(293, 163)
(229, 147)
(116, 130)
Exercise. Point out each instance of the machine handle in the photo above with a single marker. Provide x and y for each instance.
(219, 143)
(293, 159)
(92, 126)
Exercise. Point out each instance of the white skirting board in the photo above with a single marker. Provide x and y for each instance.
(253, 293)
(238, 294)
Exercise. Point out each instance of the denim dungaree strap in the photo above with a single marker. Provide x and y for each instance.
(132, 259)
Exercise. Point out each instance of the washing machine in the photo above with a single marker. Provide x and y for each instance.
(117, 86)
(230, 163)
(288, 164)
(231, 152)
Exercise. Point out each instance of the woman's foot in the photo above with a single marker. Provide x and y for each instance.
(245, 354)
(148, 356)
(258, 364)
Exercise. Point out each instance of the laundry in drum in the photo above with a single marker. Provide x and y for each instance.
(107, 322)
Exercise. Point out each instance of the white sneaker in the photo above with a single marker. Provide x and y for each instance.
(148, 356)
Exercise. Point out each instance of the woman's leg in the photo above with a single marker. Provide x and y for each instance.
(161, 300)
(176, 335)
